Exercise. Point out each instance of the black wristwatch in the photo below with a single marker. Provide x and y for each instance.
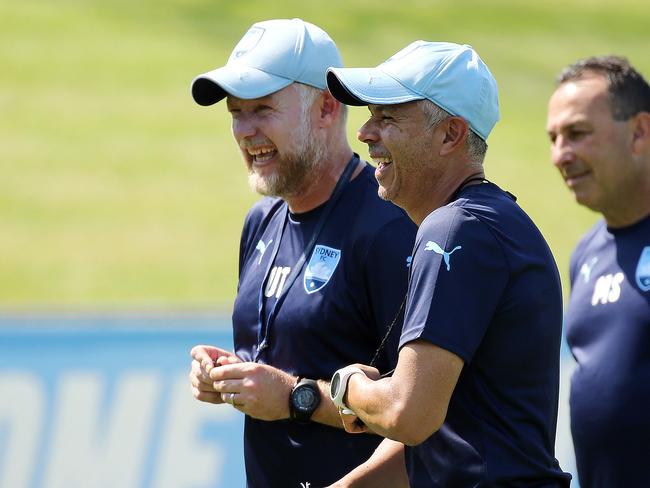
(304, 400)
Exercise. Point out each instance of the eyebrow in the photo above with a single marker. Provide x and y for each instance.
(381, 109)
(266, 100)
(573, 124)
(569, 126)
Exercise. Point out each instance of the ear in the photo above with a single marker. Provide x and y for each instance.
(328, 109)
(641, 132)
(455, 134)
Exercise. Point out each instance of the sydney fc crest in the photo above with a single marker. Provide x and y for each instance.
(320, 268)
(643, 270)
(248, 42)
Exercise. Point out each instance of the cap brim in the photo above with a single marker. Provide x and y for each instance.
(364, 86)
(239, 81)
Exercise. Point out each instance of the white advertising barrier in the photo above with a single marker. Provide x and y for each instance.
(106, 402)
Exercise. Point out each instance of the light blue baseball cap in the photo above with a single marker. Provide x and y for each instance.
(452, 76)
(271, 55)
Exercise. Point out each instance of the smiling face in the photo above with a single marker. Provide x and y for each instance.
(276, 140)
(400, 141)
(591, 150)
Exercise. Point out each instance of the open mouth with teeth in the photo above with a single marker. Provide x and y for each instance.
(382, 162)
(261, 155)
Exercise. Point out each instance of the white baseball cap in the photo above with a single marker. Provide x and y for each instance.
(452, 76)
(271, 55)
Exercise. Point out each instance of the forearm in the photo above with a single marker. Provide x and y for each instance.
(384, 469)
(264, 392)
(327, 413)
(377, 404)
(412, 404)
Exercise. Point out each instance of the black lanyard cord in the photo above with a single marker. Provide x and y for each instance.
(388, 331)
(265, 325)
(382, 345)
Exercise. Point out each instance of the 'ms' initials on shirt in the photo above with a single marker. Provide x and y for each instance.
(607, 289)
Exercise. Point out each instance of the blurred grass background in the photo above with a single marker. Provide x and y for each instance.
(116, 190)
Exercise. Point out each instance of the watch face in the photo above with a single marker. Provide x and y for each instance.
(334, 386)
(304, 398)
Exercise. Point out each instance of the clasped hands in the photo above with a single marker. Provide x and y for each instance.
(259, 390)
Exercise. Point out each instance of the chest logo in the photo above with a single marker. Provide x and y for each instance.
(321, 267)
(643, 270)
(435, 247)
(585, 269)
(261, 247)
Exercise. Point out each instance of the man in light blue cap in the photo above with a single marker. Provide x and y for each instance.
(271, 56)
(473, 399)
(311, 296)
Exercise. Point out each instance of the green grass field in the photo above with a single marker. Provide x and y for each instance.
(118, 191)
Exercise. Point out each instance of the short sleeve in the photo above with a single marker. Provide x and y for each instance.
(458, 276)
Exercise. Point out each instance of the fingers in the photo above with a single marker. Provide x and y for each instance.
(198, 381)
(230, 397)
(215, 392)
(202, 381)
(224, 360)
(204, 360)
(370, 372)
(231, 370)
(201, 352)
(352, 423)
(204, 356)
(228, 386)
(200, 373)
(225, 391)
(207, 396)
(210, 356)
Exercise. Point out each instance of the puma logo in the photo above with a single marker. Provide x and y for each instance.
(261, 247)
(586, 268)
(435, 247)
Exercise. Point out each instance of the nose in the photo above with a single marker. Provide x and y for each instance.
(562, 152)
(368, 132)
(243, 127)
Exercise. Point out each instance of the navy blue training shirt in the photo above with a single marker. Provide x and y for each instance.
(608, 330)
(335, 313)
(484, 285)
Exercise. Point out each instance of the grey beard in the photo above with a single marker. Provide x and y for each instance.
(295, 174)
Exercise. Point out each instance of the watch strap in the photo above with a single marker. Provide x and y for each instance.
(339, 386)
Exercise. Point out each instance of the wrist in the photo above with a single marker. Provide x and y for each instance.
(339, 386)
(304, 399)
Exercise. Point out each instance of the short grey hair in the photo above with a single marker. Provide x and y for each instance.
(476, 146)
(309, 94)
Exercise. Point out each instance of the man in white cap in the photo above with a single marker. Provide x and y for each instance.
(474, 395)
(316, 257)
